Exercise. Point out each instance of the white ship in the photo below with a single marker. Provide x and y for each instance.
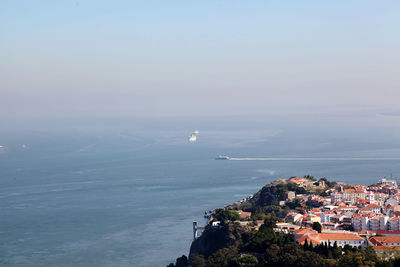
(192, 138)
(220, 157)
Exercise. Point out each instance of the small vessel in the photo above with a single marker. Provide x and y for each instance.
(221, 157)
(192, 138)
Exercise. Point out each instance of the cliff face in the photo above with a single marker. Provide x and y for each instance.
(215, 238)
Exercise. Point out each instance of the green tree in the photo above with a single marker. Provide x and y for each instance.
(244, 261)
(261, 240)
(182, 261)
(317, 227)
(225, 215)
(370, 255)
(270, 222)
(222, 257)
(197, 260)
(351, 259)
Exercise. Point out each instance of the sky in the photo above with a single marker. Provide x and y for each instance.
(188, 58)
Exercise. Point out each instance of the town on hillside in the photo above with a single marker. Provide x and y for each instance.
(330, 213)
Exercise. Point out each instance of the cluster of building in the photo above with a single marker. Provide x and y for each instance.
(349, 215)
(353, 215)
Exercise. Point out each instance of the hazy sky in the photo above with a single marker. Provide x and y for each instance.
(153, 58)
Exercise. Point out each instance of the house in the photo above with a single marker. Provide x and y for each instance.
(310, 240)
(326, 216)
(305, 231)
(385, 182)
(360, 223)
(290, 195)
(329, 225)
(383, 222)
(393, 224)
(336, 196)
(215, 223)
(244, 214)
(388, 242)
(337, 218)
(392, 201)
(342, 239)
(373, 223)
(374, 208)
(286, 227)
(311, 218)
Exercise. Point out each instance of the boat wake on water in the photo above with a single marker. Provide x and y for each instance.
(315, 159)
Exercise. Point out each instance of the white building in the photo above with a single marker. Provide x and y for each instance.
(326, 216)
(360, 223)
(383, 222)
(384, 181)
(374, 208)
(393, 224)
(373, 223)
(342, 239)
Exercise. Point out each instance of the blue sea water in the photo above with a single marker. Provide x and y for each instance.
(125, 192)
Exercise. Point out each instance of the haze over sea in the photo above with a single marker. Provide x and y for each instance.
(124, 192)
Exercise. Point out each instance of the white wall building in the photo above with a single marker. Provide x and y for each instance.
(342, 239)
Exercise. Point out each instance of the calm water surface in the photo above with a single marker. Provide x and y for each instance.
(127, 195)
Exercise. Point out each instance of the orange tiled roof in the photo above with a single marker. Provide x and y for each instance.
(339, 236)
(366, 232)
(384, 239)
(349, 190)
(379, 248)
(310, 239)
(244, 214)
(298, 180)
(304, 231)
(329, 212)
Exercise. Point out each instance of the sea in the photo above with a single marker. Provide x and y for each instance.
(125, 191)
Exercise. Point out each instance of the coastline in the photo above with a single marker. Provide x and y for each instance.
(318, 200)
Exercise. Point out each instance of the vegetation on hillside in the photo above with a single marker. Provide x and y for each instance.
(232, 245)
(267, 248)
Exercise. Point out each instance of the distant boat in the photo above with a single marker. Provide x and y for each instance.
(192, 138)
(1, 146)
(220, 157)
